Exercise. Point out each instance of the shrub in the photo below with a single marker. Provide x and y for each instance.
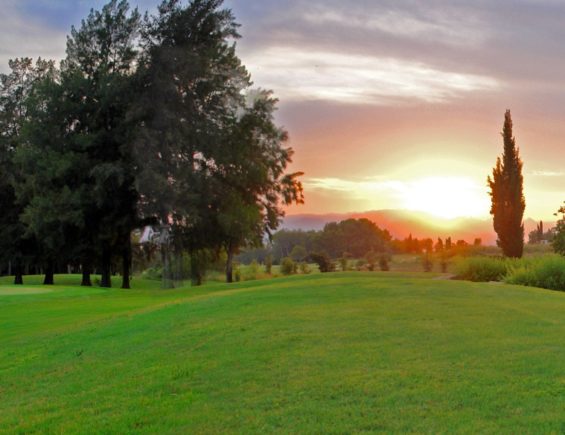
(427, 262)
(287, 266)
(343, 264)
(304, 268)
(371, 259)
(558, 242)
(360, 264)
(384, 262)
(236, 273)
(268, 263)
(482, 269)
(153, 273)
(298, 253)
(443, 261)
(323, 261)
(251, 272)
(545, 272)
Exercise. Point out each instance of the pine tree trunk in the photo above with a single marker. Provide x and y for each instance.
(18, 273)
(229, 265)
(86, 271)
(126, 260)
(106, 266)
(167, 282)
(195, 272)
(49, 272)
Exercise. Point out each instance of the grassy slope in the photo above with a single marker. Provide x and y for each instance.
(322, 353)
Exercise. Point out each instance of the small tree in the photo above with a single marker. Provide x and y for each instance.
(371, 259)
(443, 261)
(344, 261)
(427, 262)
(298, 253)
(507, 197)
(559, 232)
(287, 266)
(323, 261)
(384, 262)
(268, 263)
(304, 268)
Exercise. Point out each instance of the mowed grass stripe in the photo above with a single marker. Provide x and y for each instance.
(336, 353)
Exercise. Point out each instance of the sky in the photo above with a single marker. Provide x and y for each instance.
(390, 104)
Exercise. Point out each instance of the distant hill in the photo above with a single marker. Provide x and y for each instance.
(401, 223)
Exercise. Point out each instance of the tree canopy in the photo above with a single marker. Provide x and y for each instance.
(507, 197)
(147, 121)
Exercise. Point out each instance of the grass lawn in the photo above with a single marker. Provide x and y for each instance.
(335, 353)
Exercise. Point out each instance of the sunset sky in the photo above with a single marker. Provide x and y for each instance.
(389, 104)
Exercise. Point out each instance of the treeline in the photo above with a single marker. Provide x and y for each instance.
(147, 121)
(413, 245)
(352, 238)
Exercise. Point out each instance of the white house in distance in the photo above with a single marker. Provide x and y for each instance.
(149, 235)
(155, 234)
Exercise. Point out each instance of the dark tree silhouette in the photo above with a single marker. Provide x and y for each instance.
(559, 238)
(507, 197)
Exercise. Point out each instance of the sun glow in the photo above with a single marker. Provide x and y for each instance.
(447, 197)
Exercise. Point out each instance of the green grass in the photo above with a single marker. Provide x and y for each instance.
(336, 353)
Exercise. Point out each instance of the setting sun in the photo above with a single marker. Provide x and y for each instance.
(282, 216)
(446, 197)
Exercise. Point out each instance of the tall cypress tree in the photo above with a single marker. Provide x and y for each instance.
(507, 196)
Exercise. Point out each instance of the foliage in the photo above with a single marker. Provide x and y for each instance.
(384, 262)
(323, 261)
(287, 266)
(259, 254)
(559, 233)
(344, 263)
(252, 271)
(507, 197)
(544, 272)
(370, 260)
(355, 236)
(268, 263)
(153, 273)
(538, 235)
(236, 272)
(225, 155)
(147, 122)
(352, 236)
(443, 261)
(482, 269)
(427, 262)
(285, 240)
(298, 253)
(16, 88)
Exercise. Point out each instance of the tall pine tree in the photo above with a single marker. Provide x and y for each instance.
(507, 196)
(17, 246)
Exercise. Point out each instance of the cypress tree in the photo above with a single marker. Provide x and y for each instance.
(507, 197)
